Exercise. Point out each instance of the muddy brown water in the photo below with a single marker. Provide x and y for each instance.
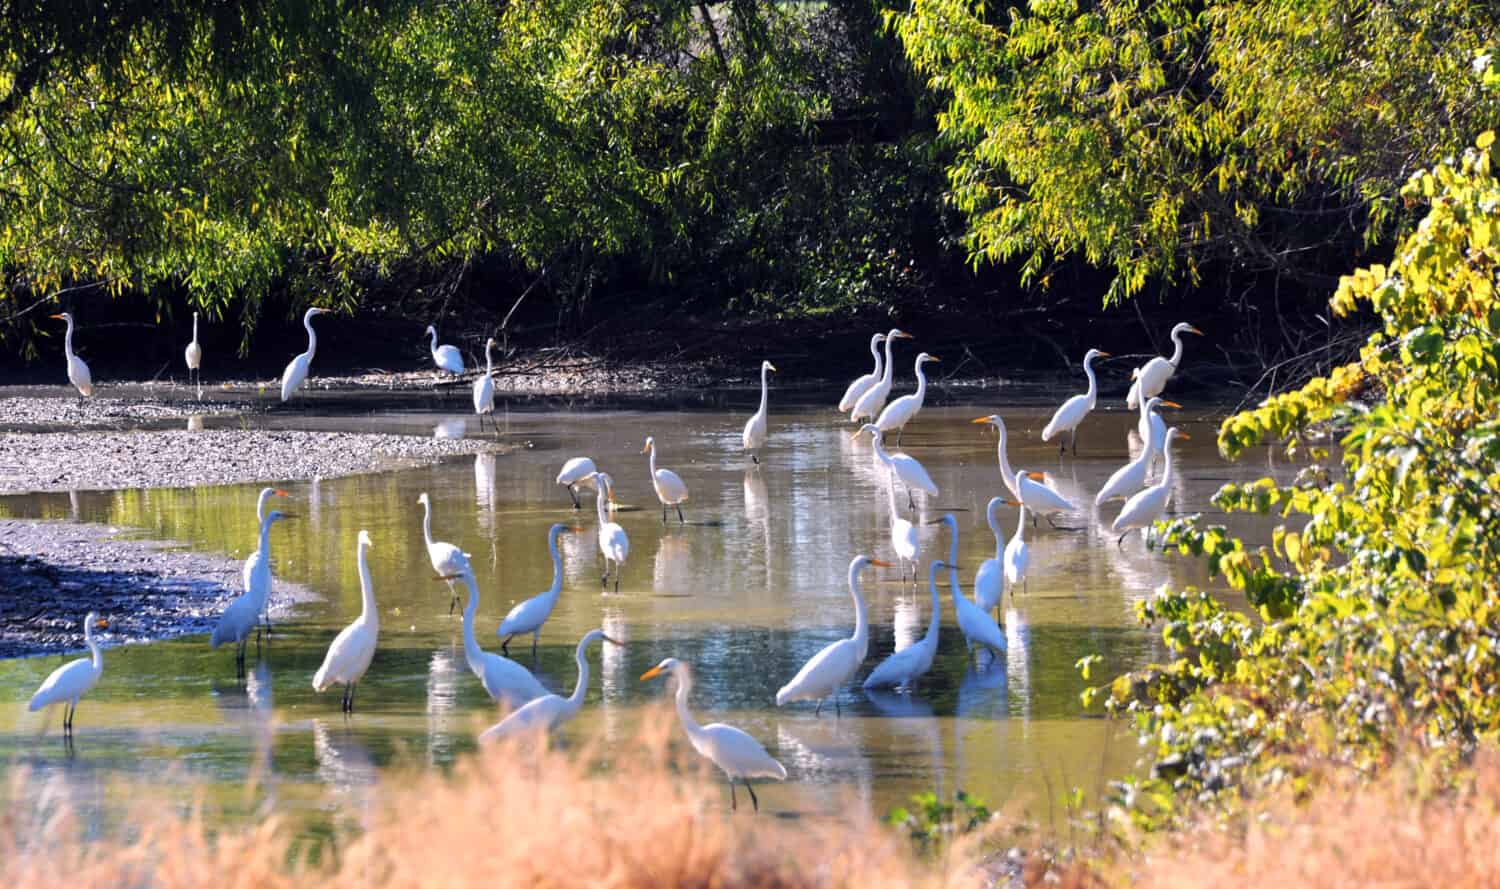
(752, 586)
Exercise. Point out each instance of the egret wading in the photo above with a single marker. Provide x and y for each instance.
(256, 566)
(72, 680)
(574, 471)
(827, 671)
(903, 532)
(904, 409)
(243, 614)
(297, 370)
(447, 560)
(1073, 411)
(78, 372)
(670, 489)
(869, 405)
(754, 436)
(911, 473)
(528, 616)
(1151, 428)
(193, 355)
(861, 385)
(1017, 556)
(989, 580)
(1027, 487)
(1150, 505)
(902, 668)
(1151, 378)
(484, 388)
(546, 713)
(614, 545)
(503, 679)
(353, 648)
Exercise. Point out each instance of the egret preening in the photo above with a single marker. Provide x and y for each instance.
(243, 614)
(837, 663)
(545, 713)
(193, 355)
(446, 357)
(256, 564)
(447, 560)
(1016, 554)
(1027, 487)
(754, 436)
(738, 755)
(903, 667)
(1072, 412)
(72, 680)
(901, 411)
(296, 372)
(78, 372)
(906, 468)
(1147, 506)
(903, 533)
(669, 487)
(1152, 376)
(574, 471)
(503, 679)
(613, 544)
(528, 616)
(862, 385)
(989, 580)
(353, 648)
(869, 405)
(484, 387)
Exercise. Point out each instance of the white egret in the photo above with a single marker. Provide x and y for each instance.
(862, 384)
(903, 533)
(296, 372)
(193, 355)
(447, 560)
(255, 565)
(1072, 412)
(912, 473)
(837, 663)
(503, 679)
(484, 387)
(670, 489)
(738, 755)
(974, 622)
(869, 405)
(754, 436)
(545, 713)
(904, 409)
(353, 648)
(528, 616)
(902, 668)
(72, 680)
(1027, 487)
(613, 543)
(1017, 556)
(989, 580)
(1152, 376)
(1128, 478)
(1151, 428)
(1147, 506)
(78, 372)
(574, 471)
(446, 357)
(243, 614)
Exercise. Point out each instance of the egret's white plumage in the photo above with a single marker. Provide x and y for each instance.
(242, 615)
(484, 387)
(353, 648)
(78, 372)
(528, 616)
(1017, 556)
(1128, 478)
(974, 622)
(903, 667)
(503, 679)
(614, 545)
(72, 680)
(447, 560)
(1029, 488)
(911, 473)
(296, 372)
(574, 471)
(446, 357)
(256, 569)
(754, 436)
(837, 663)
(862, 384)
(989, 580)
(1152, 376)
(1151, 428)
(904, 409)
(1072, 412)
(669, 486)
(1149, 505)
(737, 754)
(903, 532)
(869, 405)
(193, 355)
(545, 713)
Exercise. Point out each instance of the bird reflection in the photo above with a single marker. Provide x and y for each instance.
(909, 623)
(1018, 659)
(758, 518)
(671, 571)
(484, 487)
(579, 552)
(827, 752)
(615, 680)
(443, 677)
(911, 731)
(195, 423)
(344, 762)
(449, 429)
(982, 691)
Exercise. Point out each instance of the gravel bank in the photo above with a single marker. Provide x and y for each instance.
(22, 412)
(54, 573)
(82, 461)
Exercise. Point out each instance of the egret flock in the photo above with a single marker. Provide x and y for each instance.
(740, 756)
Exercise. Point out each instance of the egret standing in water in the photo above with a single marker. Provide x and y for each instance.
(1152, 377)
(74, 679)
(869, 405)
(828, 670)
(1150, 505)
(754, 436)
(1072, 412)
(545, 713)
(614, 545)
(243, 614)
(296, 372)
(1027, 487)
(904, 409)
(253, 564)
(861, 385)
(904, 667)
(193, 355)
(1017, 556)
(912, 473)
(1151, 428)
(574, 471)
(989, 580)
(503, 679)
(447, 560)
(353, 648)
(528, 616)
(78, 372)
(446, 357)
(670, 489)
(484, 387)
(738, 755)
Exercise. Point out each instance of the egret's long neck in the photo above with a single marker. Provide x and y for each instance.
(195, 327)
(260, 506)
(557, 567)
(763, 384)
(1093, 392)
(427, 521)
(1177, 348)
(582, 688)
(312, 336)
(1166, 475)
(653, 461)
(433, 331)
(885, 379)
(891, 489)
(1006, 473)
(472, 652)
(880, 452)
(861, 635)
(265, 539)
(992, 518)
(875, 350)
(599, 504)
(1021, 523)
(685, 688)
(368, 613)
(68, 339)
(96, 656)
(952, 541)
(489, 358)
(921, 382)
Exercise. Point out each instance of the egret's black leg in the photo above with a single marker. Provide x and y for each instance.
(818, 709)
(1049, 520)
(754, 803)
(1121, 542)
(505, 646)
(617, 580)
(663, 513)
(734, 802)
(911, 501)
(754, 459)
(1075, 441)
(838, 711)
(574, 494)
(533, 643)
(680, 519)
(351, 697)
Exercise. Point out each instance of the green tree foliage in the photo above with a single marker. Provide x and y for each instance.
(1375, 621)
(1155, 137)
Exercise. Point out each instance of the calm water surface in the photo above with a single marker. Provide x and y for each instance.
(752, 586)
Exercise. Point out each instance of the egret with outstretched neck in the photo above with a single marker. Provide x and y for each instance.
(904, 409)
(1149, 505)
(1027, 487)
(1073, 411)
(546, 713)
(447, 560)
(72, 680)
(989, 580)
(1152, 377)
(528, 616)
(243, 614)
(255, 564)
(78, 372)
(353, 648)
(861, 385)
(828, 670)
(484, 387)
(296, 372)
(446, 357)
(193, 355)
(754, 436)
(869, 405)
(503, 679)
(1151, 429)
(902, 668)
(670, 489)
(1017, 555)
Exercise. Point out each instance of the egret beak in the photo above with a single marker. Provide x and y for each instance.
(980, 420)
(101, 624)
(574, 528)
(651, 673)
(58, 317)
(772, 368)
(1104, 355)
(1039, 476)
(881, 564)
(1009, 502)
(645, 449)
(279, 493)
(933, 358)
(1169, 404)
(901, 335)
(612, 641)
(1195, 330)
(1183, 435)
